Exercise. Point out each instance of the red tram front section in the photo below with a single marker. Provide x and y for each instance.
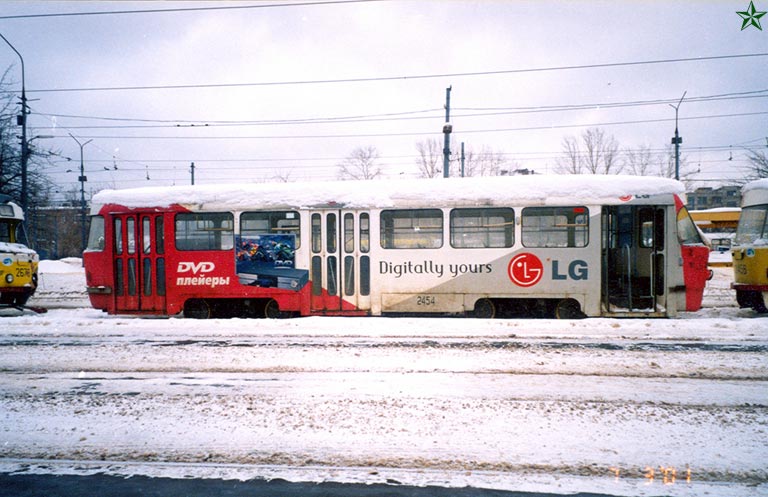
(164, 261)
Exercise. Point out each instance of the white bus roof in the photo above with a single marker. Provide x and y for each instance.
(484, 191)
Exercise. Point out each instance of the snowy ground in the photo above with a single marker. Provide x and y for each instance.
(623, 407)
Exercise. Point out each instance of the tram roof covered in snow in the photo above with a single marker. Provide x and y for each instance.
(484, 191)
(755, 192)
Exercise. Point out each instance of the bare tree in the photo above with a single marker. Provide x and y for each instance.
(38, 185)
(360, 164)
(758, 165)
(571, 162)
(595, 153)
(487, 162)
(430, 158)
(640, 161)
(282, 176)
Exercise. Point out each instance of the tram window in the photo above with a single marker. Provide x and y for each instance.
(349, 275)
(752, 225)
(317, 241)
(686, 230)
(118, 236)
(365, 232)
(330, 233)
(482, 228)
(349, 233)
(412, 229)
(147, 276)
(160, 270)
(130, 233)
(159, 235)
(96, 234)
(365, 275)
(646, 228)
(205, 231)
(555, 227)
(271, 223)
(119, 281)
(146, 235)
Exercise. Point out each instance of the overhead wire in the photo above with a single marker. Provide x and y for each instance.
(186, 9)
(400, 78)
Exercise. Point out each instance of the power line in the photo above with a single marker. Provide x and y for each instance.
(420, 133)
(185, 9)
(398, 78)
(399, 116)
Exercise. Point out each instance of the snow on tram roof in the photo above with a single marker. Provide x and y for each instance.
(506, 190)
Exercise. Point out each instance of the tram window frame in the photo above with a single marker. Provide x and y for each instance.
(272, 223)
(411, 228)
(202, 231)
(484, 227)
(555, 227)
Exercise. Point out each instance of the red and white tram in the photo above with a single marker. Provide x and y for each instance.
(551, 246)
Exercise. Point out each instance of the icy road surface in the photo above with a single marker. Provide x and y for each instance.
(627, 407)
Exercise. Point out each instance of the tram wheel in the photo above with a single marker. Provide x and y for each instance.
(485, 309)
(272, 309)
(197, 309)
(569, 309)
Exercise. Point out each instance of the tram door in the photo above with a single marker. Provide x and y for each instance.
(139, 262)
(633, 259)
(340, 261)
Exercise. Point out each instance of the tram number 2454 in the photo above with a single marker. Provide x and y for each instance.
(426, 300)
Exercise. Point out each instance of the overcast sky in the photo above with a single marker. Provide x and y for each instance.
(235, 70)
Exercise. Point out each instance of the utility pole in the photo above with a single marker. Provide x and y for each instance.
(192, 172)
(677, 139)
(82, 179)
(447, 128)
(462, 159)
(22, 121)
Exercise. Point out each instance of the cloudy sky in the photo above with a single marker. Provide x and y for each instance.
(253, 90)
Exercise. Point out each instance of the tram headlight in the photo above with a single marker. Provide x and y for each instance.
(9, 278)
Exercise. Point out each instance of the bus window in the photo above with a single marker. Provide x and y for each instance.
(205, 231)
(482, 228)
(555, 227)
(271, 222)
(412, 229)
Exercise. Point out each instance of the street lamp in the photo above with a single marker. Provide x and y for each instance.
(22, 120)
(677, 139)
(82, 179)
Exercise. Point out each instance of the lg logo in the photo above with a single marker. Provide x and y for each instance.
(525, 269)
